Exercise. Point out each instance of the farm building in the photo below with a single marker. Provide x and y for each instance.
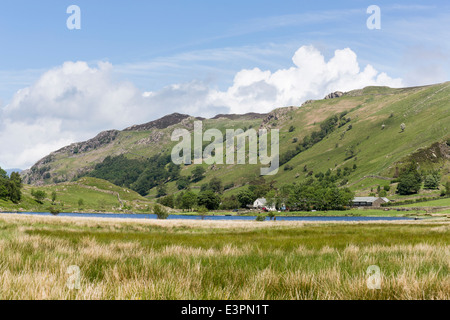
(261, 204)
(369, 201)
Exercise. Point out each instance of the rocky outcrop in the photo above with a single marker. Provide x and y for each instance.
(307, 102)
(43, 168)
(334, 95)
(162, 123)
(100, 140)
(271, 120)
(154, 137)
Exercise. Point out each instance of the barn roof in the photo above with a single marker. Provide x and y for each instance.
(261, 200)
(369, 199)
(365, 199)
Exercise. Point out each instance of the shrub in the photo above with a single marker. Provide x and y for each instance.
(291, 129)
(38, 195)
(202, 211)
(160, 212)
(432, 181)
(168, 201)
(198, 174)
(54, 211)
(271, 215)
(54, 197)
(260, 217)
(216, 185)
(182, 183)
(228, 186)
(209, 199)
(161, 191)
(230, 203)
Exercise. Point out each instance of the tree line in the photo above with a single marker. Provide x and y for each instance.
(313, 194)
(10, 187)
(410, 180)
(144, 174)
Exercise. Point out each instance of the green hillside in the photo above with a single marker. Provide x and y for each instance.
(96, 195)
(366, 142)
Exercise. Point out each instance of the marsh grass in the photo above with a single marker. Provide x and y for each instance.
(221, 260)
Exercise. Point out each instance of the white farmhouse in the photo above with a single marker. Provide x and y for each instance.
(261, 204)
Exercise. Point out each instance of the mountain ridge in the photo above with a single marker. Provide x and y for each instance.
(374, 115)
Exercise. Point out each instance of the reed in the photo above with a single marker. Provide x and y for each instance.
(221, 260)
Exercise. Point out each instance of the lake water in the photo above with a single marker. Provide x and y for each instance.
(218, 217)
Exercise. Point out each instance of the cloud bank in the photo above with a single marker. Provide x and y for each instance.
(75, 101)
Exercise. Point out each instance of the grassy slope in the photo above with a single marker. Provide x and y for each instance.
(97, 195)
(424, 110)
(434, 203)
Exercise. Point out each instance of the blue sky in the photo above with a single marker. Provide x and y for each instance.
(195, 53)
(34, 36)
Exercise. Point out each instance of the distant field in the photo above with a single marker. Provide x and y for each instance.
(435, 203)
(96, 195)
(221, 260)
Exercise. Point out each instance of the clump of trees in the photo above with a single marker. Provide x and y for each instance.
(198, 174)
(316, 195)
(410, 180)
(140, 175)
(432, 180)
(209, 199)
(38, 195)
(189, 200)
(10, 187)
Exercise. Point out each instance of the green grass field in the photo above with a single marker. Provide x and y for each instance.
(434, 203)
(221, 260)
(97, 196)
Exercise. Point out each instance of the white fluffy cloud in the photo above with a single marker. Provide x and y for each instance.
(74, 101)
(311, 77)
(69, 103)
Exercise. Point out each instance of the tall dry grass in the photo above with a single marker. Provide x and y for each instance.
(130, 260)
